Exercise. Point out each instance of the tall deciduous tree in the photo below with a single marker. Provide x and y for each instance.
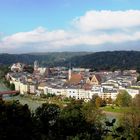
(123, 99)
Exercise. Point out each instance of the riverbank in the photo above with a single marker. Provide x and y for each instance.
(3, 87)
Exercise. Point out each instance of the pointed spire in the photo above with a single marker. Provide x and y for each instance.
(69, 72)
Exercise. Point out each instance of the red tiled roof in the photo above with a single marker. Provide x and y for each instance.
(75, 78)
(98, 77)
(87, 87)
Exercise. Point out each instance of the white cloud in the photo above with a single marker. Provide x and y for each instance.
(92, 29)
(102, 20)
(38, 35)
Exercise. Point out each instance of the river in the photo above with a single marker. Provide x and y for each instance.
(33, 104)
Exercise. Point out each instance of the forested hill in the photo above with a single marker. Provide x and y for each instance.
(108, 60)
(43, 58)
(99, 60)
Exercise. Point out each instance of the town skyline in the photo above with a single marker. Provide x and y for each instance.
(51, 26)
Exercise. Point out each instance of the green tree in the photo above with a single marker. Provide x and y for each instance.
(29, 69)
(72, 120)
(15, 121)
(74, 124)
(3, 71)
(136, 101)
(92, 113)
(47, 116)
(12, 86)
(138, 78)
(123, 99)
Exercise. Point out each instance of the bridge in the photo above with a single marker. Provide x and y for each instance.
(8, 92)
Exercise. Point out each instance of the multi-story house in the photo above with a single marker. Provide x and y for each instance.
(94, 80)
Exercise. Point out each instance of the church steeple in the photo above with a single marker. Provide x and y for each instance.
(36, 65)
(69, 72)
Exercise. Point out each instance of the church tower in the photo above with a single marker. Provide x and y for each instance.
(69, 74)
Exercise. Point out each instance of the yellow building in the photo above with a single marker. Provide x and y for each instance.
(94, 80)
(24, 88)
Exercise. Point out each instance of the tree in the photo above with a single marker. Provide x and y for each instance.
(138, 78)
(138, 69)
(72, 120)
(98, 102)
(93, 100)
(91, 113)
(78, 121)
(3, 71)
(29, 69)
(12, 86)
(136, 100)
(47, 116)
(123, 99)
(109, 101)
(15, 121)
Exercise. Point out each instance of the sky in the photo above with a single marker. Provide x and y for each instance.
(69, 25)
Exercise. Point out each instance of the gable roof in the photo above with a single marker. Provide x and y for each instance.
(97, 76)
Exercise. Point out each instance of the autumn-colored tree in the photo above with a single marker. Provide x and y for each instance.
(136, 100)
(98, 102)
(109, 100)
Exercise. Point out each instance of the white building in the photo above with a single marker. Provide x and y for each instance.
(32, 89)
(17, 67)
(17, 85)
(108, 94)
(78, 93)
(24, 88)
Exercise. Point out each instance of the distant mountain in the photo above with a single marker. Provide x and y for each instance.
(99, 60)
(107, 60)
(43, 58)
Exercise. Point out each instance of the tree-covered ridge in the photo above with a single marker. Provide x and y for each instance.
(108, 60)
(99, 60)
(42, 58)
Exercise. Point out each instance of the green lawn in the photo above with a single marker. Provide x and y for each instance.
(116, 109)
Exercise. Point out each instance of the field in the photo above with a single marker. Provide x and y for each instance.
(115, 109)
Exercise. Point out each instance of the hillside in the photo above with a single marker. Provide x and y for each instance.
(107, 60)
(99, 60)
(44, 58)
